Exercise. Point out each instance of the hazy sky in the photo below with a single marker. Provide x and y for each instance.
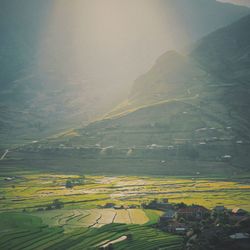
(239, 2)
(114, 41)
(111, 40)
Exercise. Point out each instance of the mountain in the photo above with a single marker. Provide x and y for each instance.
(172, 76)
(221, 57)
(183, 117)
(52, 77)
(229, 61)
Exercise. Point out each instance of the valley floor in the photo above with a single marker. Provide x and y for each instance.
(54, 211)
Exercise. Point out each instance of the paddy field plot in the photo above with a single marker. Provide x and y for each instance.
(79, 218)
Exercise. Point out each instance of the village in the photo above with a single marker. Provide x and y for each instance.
(219, 228)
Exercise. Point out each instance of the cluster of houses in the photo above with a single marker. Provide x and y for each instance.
(185, 220)
(176, 216)
(180, 218)
(177, 219)
(200, 226)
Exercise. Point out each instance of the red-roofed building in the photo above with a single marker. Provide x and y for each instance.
(193, 212)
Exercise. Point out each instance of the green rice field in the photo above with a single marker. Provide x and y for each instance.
(85, 223)
(23, 231)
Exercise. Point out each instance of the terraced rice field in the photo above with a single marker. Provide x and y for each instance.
(79, 218)
(31, 190)
(22, 231)
(137, 216)
(83, 223)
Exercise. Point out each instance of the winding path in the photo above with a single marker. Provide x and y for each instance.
(4, 154)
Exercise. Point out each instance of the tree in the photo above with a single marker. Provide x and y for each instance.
(180, 205)
(49, 207)
(57, 204)
(69, 184)
(181, 220)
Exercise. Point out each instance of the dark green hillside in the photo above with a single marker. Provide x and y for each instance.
(225, 53)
